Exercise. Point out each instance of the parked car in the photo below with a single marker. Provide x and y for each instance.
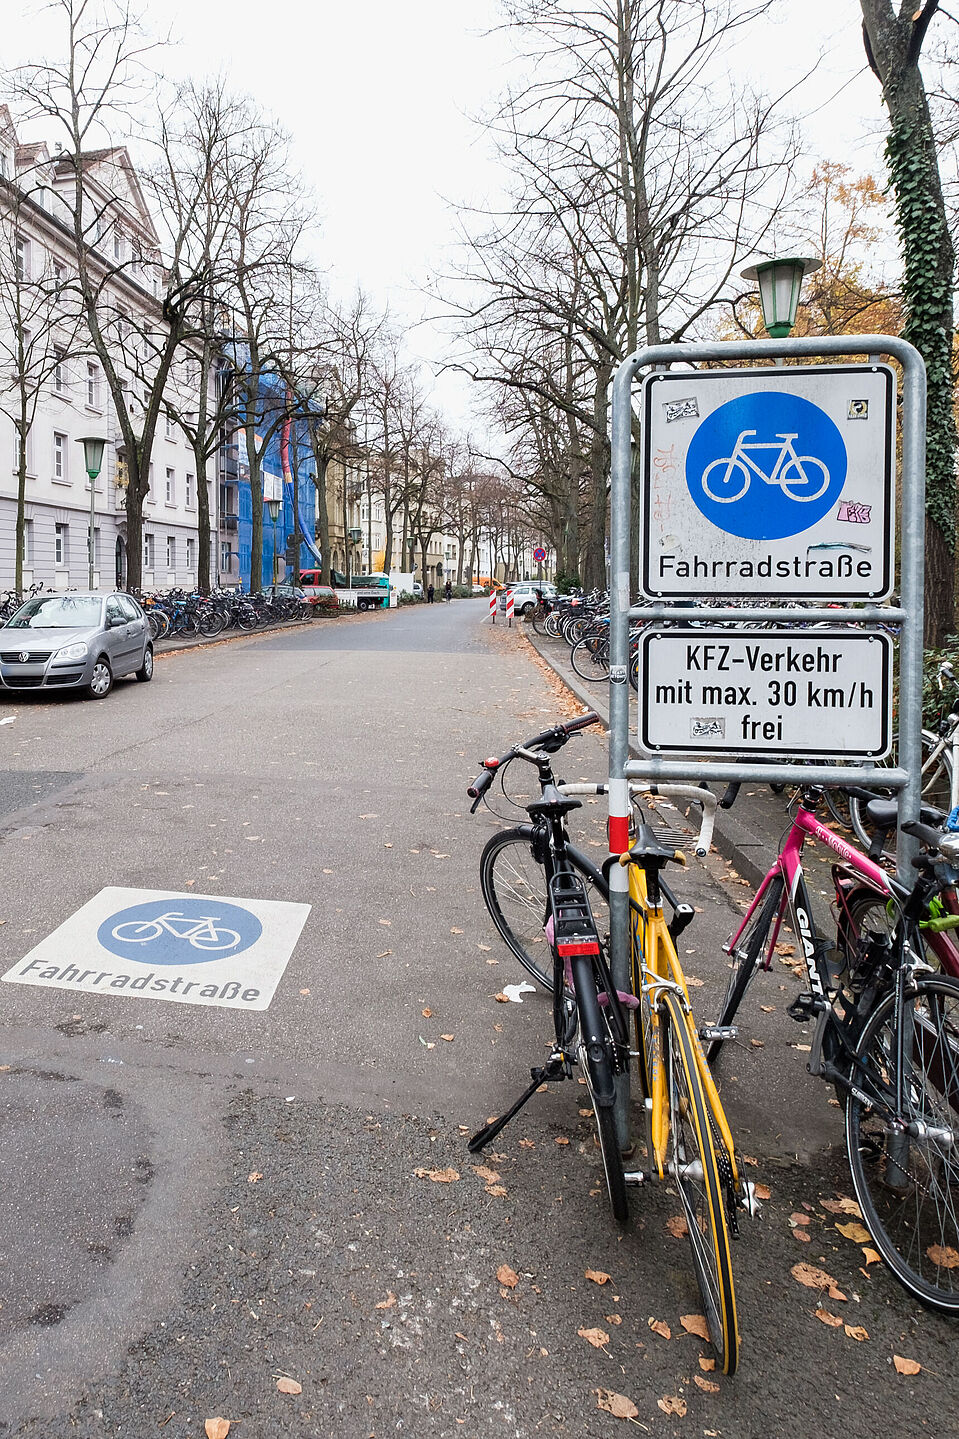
(417, 589)
(77, 640)
(319, 594)
(525, 595)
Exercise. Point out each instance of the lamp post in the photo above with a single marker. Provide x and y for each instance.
(780, 282)
(92, 460)
(274, 508)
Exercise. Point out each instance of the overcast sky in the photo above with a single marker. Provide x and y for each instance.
(379, 97)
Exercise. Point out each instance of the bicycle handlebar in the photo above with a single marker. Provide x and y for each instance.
(557, 734)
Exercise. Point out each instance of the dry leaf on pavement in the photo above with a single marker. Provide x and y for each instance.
(501, 998)
(812, 1277)
(660, 1327)
(597, 1337)
(706, 1384)
(695, 1324)
(489, 1176)
(217, 1428)
(497, 1191)
(905, 1366)
(833, 1320)
(763, 1191)
(707, 1365)
(615, 1404)
(386, 1303)
(858, 1233)
(507, 1276)
(288, 1386)
(856, 1331)
(672, 1404)
(676, 1224)
(842, 1205)
(945, 1257)
(438, 1176)
(427, 1013)
(871, 1256)
(597, 1276)
(448, 1037)
(254, 1178)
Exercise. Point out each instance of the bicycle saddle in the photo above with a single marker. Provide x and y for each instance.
(552, 802)
(648, 848)
(884, 814)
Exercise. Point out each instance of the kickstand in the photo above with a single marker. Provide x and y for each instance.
(555, 1068)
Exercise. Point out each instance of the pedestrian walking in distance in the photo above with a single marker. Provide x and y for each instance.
(448, 592)
(430, 594)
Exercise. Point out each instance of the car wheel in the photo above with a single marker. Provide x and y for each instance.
(145, 673)
(527, 610)
(101, 680)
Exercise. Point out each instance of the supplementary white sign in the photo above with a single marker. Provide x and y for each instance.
(775, 692)
(769, 482)
(157, 944)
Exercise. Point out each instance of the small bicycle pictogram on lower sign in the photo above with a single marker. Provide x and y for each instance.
(184, 931)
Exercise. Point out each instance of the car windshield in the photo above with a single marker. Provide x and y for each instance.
(57, 612)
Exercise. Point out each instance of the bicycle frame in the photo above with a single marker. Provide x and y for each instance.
(656, 967)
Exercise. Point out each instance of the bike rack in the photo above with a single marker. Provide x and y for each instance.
(906, 776)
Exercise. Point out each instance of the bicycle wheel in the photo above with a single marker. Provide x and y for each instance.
(595, 1047)
(590, 658)
(907, 1184)
(745, 959)
(513, 885)
(695, 1166)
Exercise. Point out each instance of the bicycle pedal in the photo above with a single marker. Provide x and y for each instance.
(805, 1007)
(709, 1032)
(634, 1176)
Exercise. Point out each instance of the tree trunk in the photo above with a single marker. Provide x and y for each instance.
(202, 520)
(22, 433)
(893, 43)
(595, 567)
(256, 504)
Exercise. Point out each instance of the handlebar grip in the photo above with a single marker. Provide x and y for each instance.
(481, 784)
(730, 795)
(583, 722)
(923, 832)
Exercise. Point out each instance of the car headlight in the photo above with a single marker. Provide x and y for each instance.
(72, 652)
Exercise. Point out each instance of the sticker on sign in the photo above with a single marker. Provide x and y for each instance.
(159, 944)
(775, 692)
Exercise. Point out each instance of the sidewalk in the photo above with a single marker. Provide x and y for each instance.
(748, 834)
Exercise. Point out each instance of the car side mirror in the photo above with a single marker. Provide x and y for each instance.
(116, 620)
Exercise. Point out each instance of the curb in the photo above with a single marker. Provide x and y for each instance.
(741, 836)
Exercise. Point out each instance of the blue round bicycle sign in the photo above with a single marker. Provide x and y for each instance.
(766, 465)
(179, 931)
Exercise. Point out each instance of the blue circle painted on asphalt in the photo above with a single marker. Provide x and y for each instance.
(179, 931)
(766, 465)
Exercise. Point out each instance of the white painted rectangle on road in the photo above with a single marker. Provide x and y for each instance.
(776, 481)
(786, 692)
(160, 944)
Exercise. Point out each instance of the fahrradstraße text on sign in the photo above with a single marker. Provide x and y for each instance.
(772, 482)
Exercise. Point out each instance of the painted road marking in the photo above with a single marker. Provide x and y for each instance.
(159, 944)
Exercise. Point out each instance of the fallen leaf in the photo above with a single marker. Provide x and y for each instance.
(217, 1428)
(905, 1366)
(800, 1219)
(616, 1404)
(672, 1404)
(695, 1324)
(768, 1008)
(386, 922)
(785, 949)
(386, 1303)
(707, 1365)
(676, 1224)
(448, 1037)
(763, 1191)
(489, 1176)
(497, 1191)
(597, 1276)
(945, 1257)
(427, 1013)
(835, 1293)
(694, 983)
(856, 1232)
(615, 1319)
(501, 998)
(833, 1320)
(856, 1331)
(254, 1178)
(485, 947)
(842, 1205)
(706, 1384)
(527, 1144)
(871, 1256)
(456, 931)
(507, 1276)
(561, 1139)
(597, 1337)
(660, 1327)
(288, 1386)
(802, 1235)
(438, 1176)
(812, 1277)
(803, 1048)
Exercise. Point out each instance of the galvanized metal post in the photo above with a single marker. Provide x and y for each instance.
(906, 777)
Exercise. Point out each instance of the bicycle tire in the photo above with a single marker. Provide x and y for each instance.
(744, 962)
(592, 1020)
(513, 886)
(590, 659)
(899, 1182)
(693, 1141)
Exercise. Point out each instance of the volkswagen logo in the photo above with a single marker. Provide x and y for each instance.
(24, 656)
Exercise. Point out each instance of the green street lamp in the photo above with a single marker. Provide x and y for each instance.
(274, 507)
(779, 284)
(93, 460)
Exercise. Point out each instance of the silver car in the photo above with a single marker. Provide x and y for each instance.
(75, 641)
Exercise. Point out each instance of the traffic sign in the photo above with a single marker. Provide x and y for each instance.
(769, 482)
(539, 554)
(784, 692)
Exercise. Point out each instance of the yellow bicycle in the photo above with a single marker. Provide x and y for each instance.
(688, 1136)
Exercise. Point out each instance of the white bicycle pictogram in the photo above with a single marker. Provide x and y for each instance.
(788, 471)
(202, 933)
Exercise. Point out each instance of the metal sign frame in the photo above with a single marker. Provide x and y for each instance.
(905, 778)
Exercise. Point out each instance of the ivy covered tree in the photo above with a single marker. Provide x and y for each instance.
(893, 34)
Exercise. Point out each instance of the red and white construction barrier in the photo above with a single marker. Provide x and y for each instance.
(492, 607)
(509, 607)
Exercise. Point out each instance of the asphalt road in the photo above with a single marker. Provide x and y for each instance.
(197, 1202)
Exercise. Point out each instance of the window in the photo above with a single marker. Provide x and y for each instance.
(93, 386)
(61, 535)
(28, 542)
(225, 554)
(151, 497)
(170, 434)
(191, 553)
(23, 258)
(170, 491)
(129, 607)
(148, 552)
(59, 273)
(59, 371)
(60, 443)
(190, 492)
(171, 552)
(117, 245)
